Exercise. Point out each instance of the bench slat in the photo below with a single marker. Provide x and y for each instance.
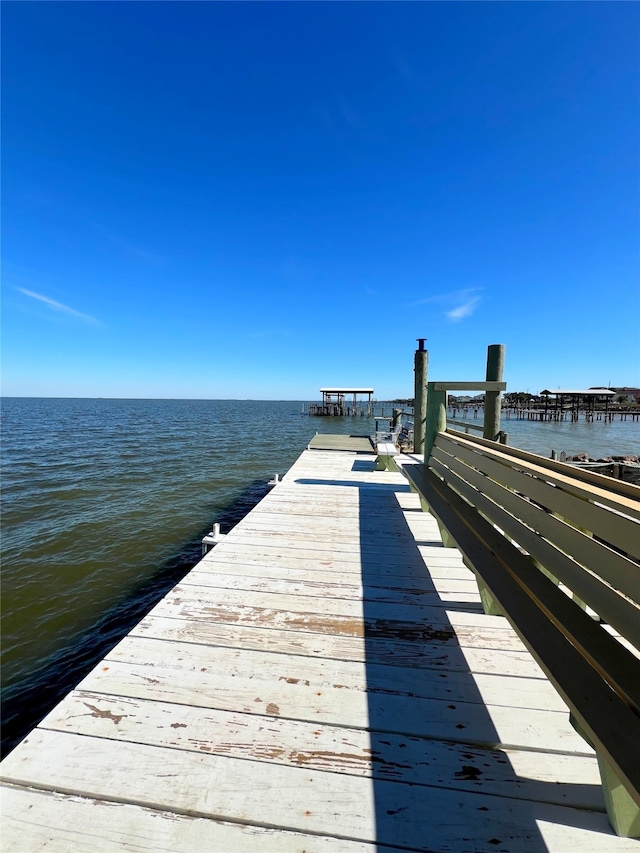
(607, 525)
(535, 607)
(607, 602)
(618, 495)
(615, 663)
(617, 570)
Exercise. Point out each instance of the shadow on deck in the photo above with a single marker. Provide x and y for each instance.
(444, 775)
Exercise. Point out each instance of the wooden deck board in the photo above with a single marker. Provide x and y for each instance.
(311, 586)
(463, 656)
(62, 823)
(323, 747)
(324, 680)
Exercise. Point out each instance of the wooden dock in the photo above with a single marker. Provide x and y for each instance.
(324, 680)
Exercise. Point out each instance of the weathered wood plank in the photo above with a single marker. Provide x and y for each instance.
(447, 579)
(562, 779)
(348, 540)
(246, 550)
(467, 654)
(350, 676)
(214, 602)
(466, 591)
(189, 676)
(442, 627)
(306, 800)
(388, 517)
(34, 821)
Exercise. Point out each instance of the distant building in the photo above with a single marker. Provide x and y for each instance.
(632, 395)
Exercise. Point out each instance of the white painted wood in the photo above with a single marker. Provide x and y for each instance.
(575, 780)
(350, 676)
(211, 602)
(247, 550)
(190, 679)
(302, 800)
(34, 821)
(443, 624)
(300, 572)
(250, 537)
(386, 448)
(467, 654)
(467, 591)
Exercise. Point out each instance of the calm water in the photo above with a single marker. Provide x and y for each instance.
(105, 502)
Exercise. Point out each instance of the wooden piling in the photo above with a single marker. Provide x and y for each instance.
(493, 399)
(421, 365)
(436, 417)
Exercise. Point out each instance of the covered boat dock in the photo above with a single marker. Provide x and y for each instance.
(335, 402)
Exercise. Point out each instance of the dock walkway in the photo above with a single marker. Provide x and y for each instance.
(324, 680)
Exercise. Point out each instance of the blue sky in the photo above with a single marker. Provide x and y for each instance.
(256, 200)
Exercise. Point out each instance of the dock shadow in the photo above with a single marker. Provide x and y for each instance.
(439, 780)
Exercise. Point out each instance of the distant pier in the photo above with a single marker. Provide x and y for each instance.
(340, 402)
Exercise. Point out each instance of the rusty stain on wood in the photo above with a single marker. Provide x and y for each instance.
(105, 715)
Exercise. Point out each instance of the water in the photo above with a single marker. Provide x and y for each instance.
(105, 502)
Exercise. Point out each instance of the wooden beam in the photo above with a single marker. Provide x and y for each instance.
(470, 386)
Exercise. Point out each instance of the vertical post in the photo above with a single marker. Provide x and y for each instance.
(421, 365)
(436, 418)
(493, 399)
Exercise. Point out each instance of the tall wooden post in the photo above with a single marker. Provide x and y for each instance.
(436, 417)
(421, 365)
(493, 399)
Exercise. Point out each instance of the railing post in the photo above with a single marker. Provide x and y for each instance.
(493, 399)
(436, 417)
(421, 362)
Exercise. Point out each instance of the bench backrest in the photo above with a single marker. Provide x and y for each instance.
(549, 533)
(585, 531)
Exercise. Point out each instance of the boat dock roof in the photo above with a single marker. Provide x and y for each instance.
(334, 390)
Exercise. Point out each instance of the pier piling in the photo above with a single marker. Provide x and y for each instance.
(421, 363)
(493, 399)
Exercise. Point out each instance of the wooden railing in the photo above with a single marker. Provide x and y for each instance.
(557, 551)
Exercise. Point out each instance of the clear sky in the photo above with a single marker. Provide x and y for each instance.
(259, 199)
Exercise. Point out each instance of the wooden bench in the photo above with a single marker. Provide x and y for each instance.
(387, 451)
(557, 551)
